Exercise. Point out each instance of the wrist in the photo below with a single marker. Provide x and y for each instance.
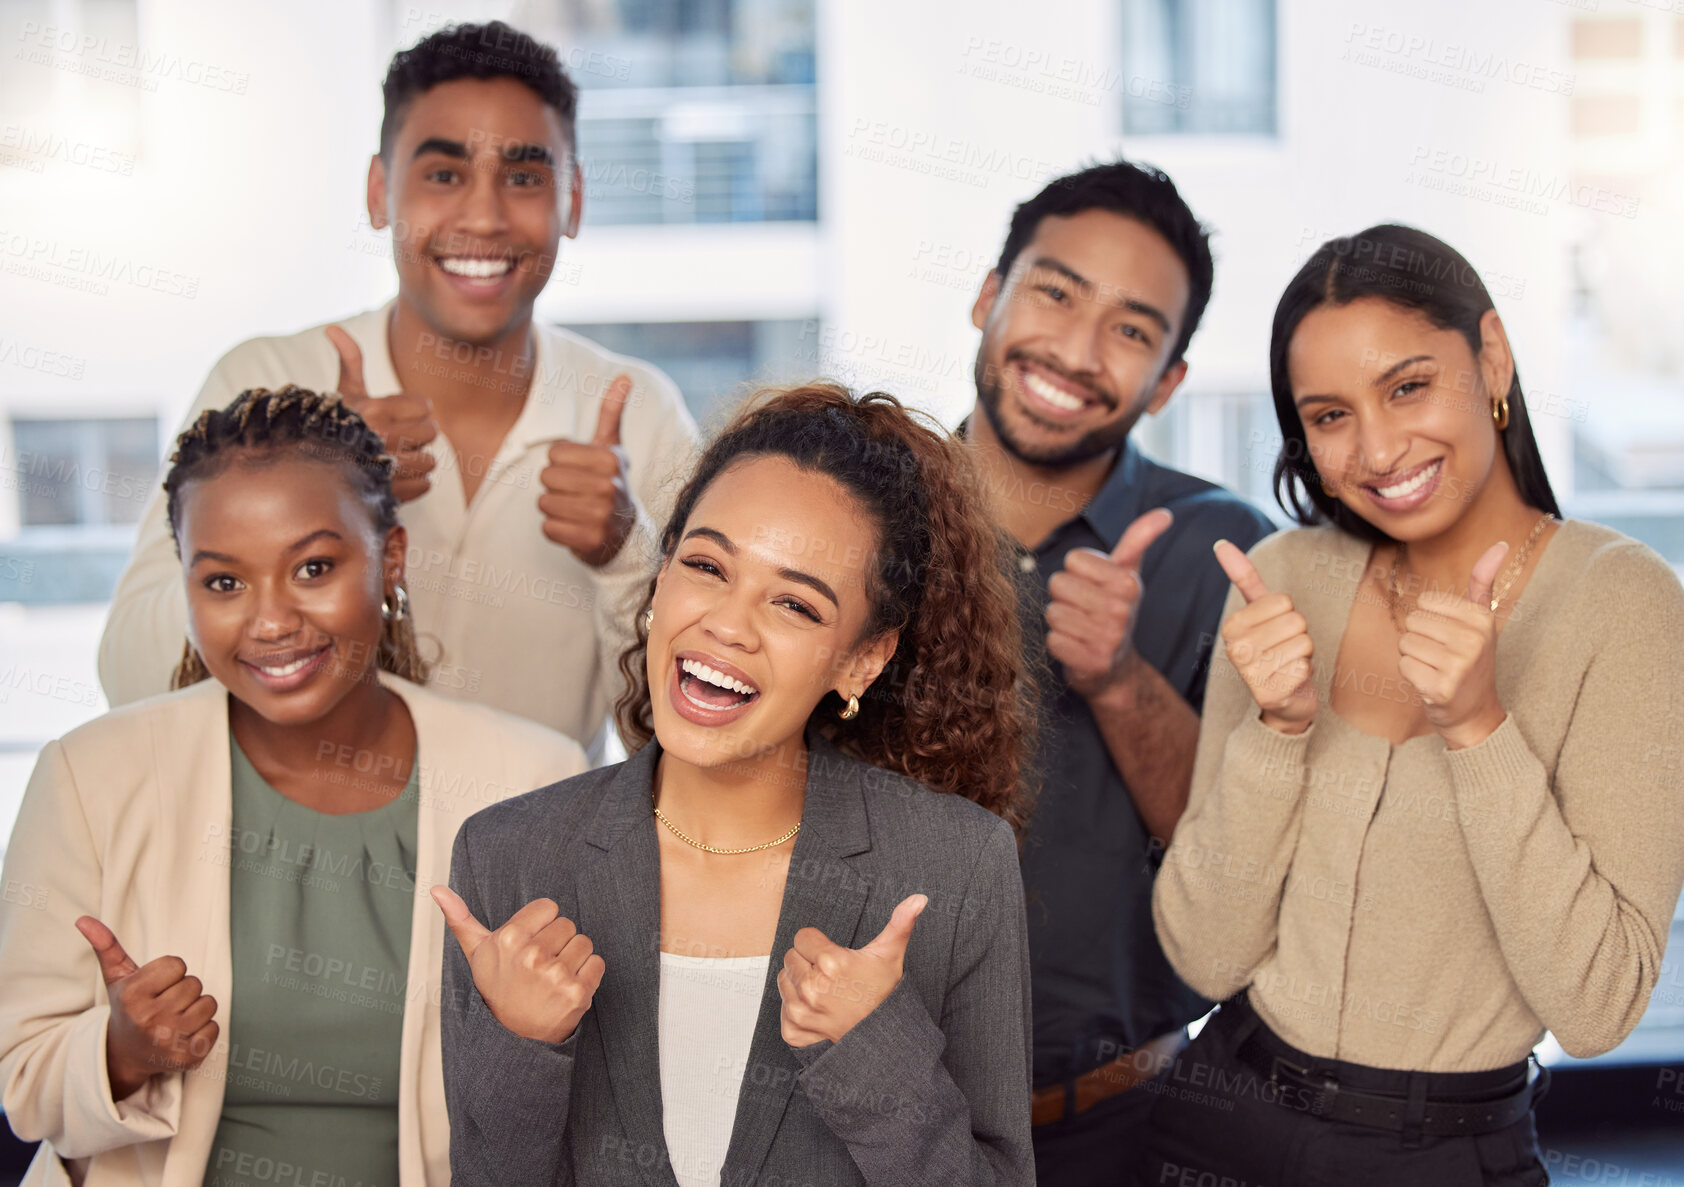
(1120, 693)
(1474, 731)
(1283, 725)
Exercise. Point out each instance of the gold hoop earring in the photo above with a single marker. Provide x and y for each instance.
(1500, 413)
(852, 711)
(397, 607)
(648, 619)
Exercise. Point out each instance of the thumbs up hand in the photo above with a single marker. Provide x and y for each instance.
(405, 423)
(537, 973)
(1269, 644)
(1092, 604)
(586, 504)
(1448, 651)
(827, 989)
(160, 1016)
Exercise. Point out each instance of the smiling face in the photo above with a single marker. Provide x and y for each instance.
(1076, 340)
(758, 614)
(479, 186)
(1397, 412)
(286, 570)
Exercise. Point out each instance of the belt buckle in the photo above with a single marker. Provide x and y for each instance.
(1327, 1086)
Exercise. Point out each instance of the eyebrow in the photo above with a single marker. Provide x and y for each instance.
(1128, 303)
(438, 144)
(788, 574)
(205, 554)
(515, 153)
(1379, 380)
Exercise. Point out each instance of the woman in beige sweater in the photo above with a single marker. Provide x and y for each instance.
(1435, 807)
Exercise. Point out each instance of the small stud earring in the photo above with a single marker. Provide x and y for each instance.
(648, 619)
(852, 711)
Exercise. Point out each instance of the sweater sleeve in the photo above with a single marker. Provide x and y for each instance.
(1581, 874)
(508, 1096)
(146, 626)
(1217, 898)
(53, 1012)
(920, 1103)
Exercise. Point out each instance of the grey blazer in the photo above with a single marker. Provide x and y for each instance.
(932, 1087)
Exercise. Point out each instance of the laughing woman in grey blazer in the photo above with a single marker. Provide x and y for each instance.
(784, 943)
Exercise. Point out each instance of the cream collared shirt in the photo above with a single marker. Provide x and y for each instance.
(508, 618)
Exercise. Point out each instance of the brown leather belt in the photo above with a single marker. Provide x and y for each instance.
(1106, 1080)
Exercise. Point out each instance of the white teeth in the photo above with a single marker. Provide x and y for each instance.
(1052, 395)
(1409, 485)
(475, 267)
(286, 669)
(719, 679)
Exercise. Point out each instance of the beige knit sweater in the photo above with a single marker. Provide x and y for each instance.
(1416, 907)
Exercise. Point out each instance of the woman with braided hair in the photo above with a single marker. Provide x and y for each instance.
(784, 942)
(253, 995)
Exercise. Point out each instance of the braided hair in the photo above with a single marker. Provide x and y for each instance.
(302, 422)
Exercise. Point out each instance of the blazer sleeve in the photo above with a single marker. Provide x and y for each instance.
(507, 1096)
(1216, 902)
(146, 626)
(53, 1012)
(1581, 873)
(919, 1102)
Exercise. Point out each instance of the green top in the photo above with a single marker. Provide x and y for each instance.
(320, 909)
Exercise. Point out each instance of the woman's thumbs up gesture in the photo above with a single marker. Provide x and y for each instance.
(1268, 642)
(537, 973)
(827, 989)
(160, 1016)
(1448, 651)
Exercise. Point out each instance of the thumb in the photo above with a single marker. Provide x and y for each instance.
(469, 932)
(613, 406)
(1240, 570)
(114, 963)
(1485, 573)
(1139, 536)
(897, 933)
(350, 363)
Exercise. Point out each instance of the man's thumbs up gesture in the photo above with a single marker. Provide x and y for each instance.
(160, 1016)
(405, 423)
(1092, 604)
(537, 973)
(1448, 651)
(586, 504)
(827, 989)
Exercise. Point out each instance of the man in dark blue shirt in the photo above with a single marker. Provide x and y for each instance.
(1085, 320)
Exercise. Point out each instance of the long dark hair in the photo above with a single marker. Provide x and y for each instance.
(954, 707)
(1413, 270)
(293, 420)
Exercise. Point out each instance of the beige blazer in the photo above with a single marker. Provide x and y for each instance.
(128, 818)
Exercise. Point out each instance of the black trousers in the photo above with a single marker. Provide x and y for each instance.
(1217, 1123)
(1100, 1147)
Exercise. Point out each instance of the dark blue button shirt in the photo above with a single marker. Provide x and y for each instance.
(1101, 984)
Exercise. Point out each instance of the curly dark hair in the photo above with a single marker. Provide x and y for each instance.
(267, 425)
(955, 706)
(492, 50)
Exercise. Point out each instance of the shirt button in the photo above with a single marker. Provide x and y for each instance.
(1026, 563)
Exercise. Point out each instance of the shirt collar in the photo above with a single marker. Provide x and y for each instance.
(1117, 503)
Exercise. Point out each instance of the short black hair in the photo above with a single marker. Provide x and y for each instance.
(493, 50)
(1135, 191)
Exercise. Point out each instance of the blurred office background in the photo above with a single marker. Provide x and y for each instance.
(783, 188)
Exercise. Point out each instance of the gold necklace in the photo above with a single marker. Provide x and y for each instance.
(1510, 573)
(659, 815)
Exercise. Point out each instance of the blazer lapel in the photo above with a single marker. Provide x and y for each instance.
(820, 891)
(620, 910)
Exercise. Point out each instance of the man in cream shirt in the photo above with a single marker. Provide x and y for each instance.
(535, 466)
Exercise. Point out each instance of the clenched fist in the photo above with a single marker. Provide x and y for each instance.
(827, 989)
(1092, 604)
(405, 423)
(161, 1018)
(586, 504)
(1448, 651)
(1268, 642)
(536, 972)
